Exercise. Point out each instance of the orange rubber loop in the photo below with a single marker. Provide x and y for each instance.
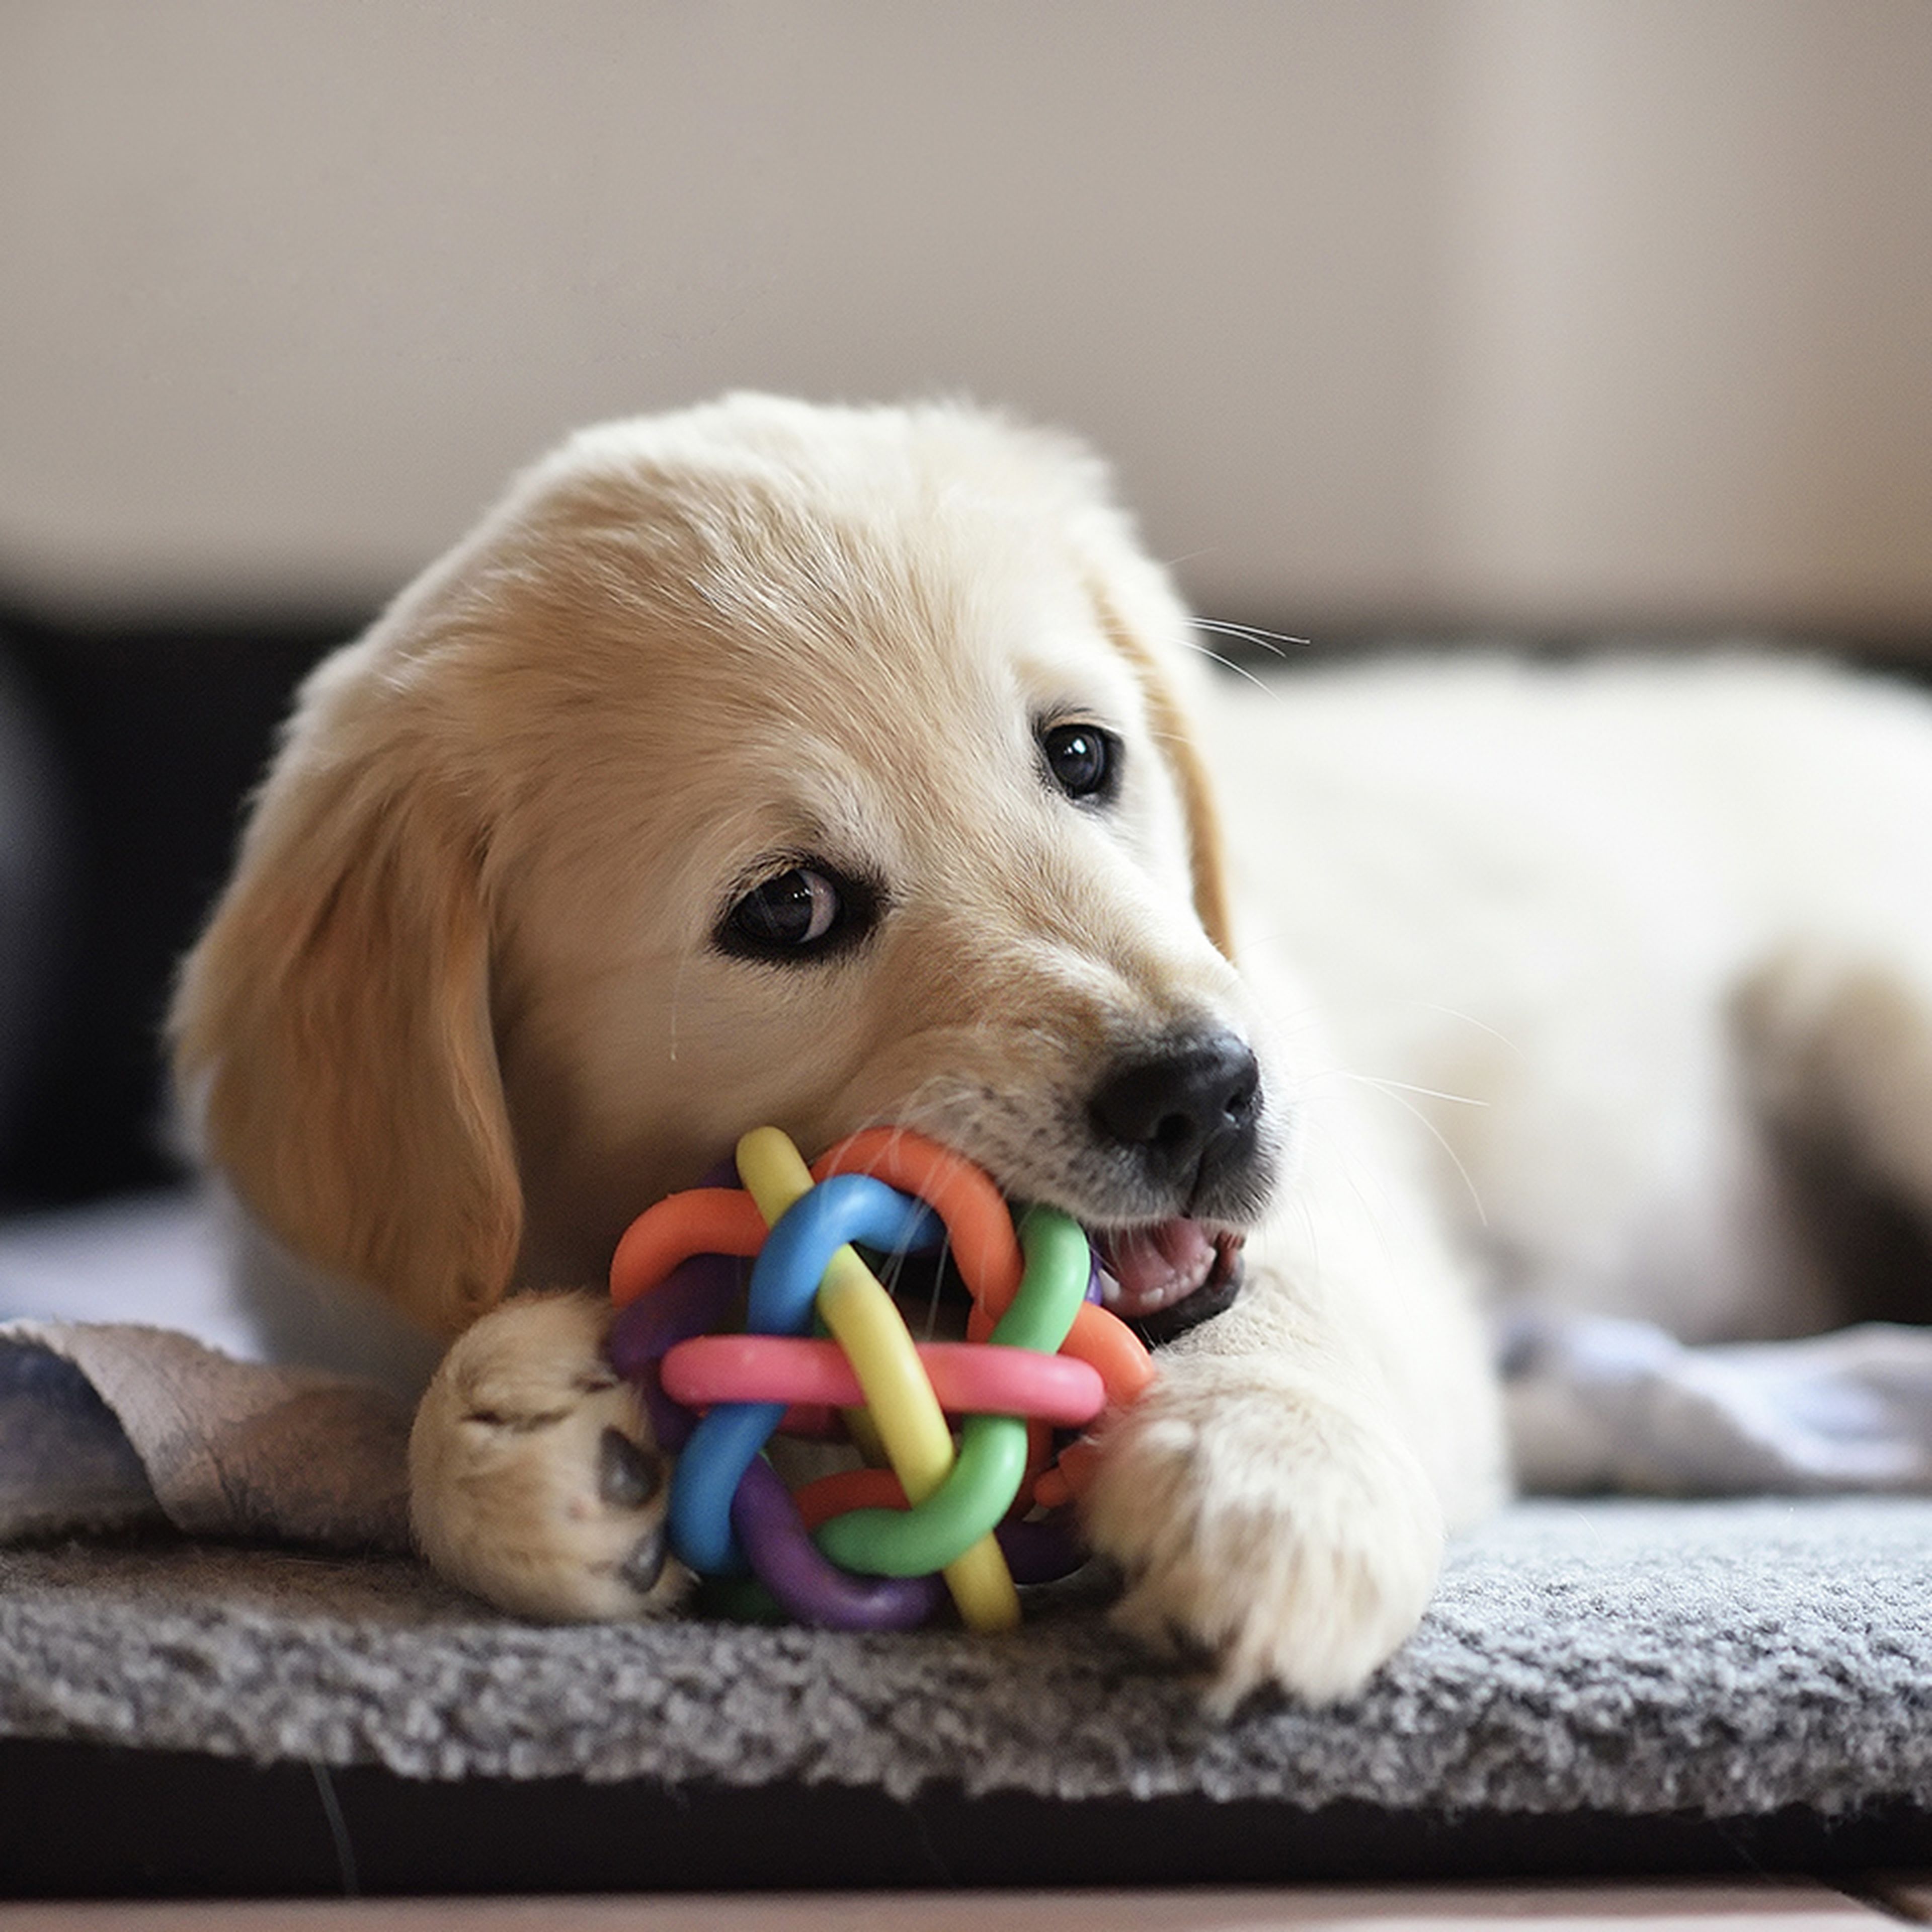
(818, 1502)
(1039, 1459)
(1069, 1478)
(700, 1221)
(1102, 1338)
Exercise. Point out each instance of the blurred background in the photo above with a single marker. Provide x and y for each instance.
(1549, 320)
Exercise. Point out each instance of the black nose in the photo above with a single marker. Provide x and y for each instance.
(1188, 1113)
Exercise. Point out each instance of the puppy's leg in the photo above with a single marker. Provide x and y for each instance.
(533, 1478)
(1279, 1499)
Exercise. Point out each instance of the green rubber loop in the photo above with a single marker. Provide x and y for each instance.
(990, 1464)
(977, 1493)
(1058, 1262)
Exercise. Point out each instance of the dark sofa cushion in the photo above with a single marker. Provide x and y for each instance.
(149, 736)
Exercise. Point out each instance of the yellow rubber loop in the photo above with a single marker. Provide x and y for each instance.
(899, 1398)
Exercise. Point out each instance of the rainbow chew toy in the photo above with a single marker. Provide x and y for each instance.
(867, 1549)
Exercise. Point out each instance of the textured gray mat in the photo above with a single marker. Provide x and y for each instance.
(1726, 1659)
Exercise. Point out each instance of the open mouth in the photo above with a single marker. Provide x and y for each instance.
(1167, 1276)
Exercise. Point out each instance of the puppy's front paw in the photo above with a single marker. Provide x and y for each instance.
(533, 1478)
(1283, 1529)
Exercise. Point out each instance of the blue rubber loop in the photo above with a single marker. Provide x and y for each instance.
(784, 1291)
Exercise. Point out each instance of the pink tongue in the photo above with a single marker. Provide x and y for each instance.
(1154, 1267)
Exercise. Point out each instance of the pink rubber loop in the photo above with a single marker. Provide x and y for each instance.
(968, 1379)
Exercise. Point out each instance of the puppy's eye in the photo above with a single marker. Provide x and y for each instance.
(800, 913)
(798, 908)
(1084, 761)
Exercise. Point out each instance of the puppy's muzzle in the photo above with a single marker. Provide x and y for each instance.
(1187, 1118)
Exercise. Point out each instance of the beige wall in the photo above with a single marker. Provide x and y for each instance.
(1687, 311)
(1548, 311)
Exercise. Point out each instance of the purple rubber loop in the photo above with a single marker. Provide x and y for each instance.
(809, 1586)
(1042, 1552)
(693, 1299)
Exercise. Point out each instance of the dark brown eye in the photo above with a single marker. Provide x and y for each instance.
(805, 912)
(1084, 761)
(797, 909)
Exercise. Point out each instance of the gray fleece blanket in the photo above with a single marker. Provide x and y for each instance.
(1632, 1657)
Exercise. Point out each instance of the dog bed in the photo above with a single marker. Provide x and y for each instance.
(238, 1682)
(1600, 1686)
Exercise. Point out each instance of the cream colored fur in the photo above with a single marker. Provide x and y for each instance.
(461, 1013)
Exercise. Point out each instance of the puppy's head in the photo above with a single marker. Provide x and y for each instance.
(759, 763)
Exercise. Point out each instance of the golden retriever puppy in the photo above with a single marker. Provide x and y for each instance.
(822, 767)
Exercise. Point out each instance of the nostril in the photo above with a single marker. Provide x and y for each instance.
(1240, 1102)
(1181, 1099)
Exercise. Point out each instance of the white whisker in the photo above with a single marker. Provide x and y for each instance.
(1253, 634)
(1229, 630)
(1482, 1026)
(1428, 1093)
(1455, 1160)
(1240, 670)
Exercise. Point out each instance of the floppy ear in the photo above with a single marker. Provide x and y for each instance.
(334, 1025)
